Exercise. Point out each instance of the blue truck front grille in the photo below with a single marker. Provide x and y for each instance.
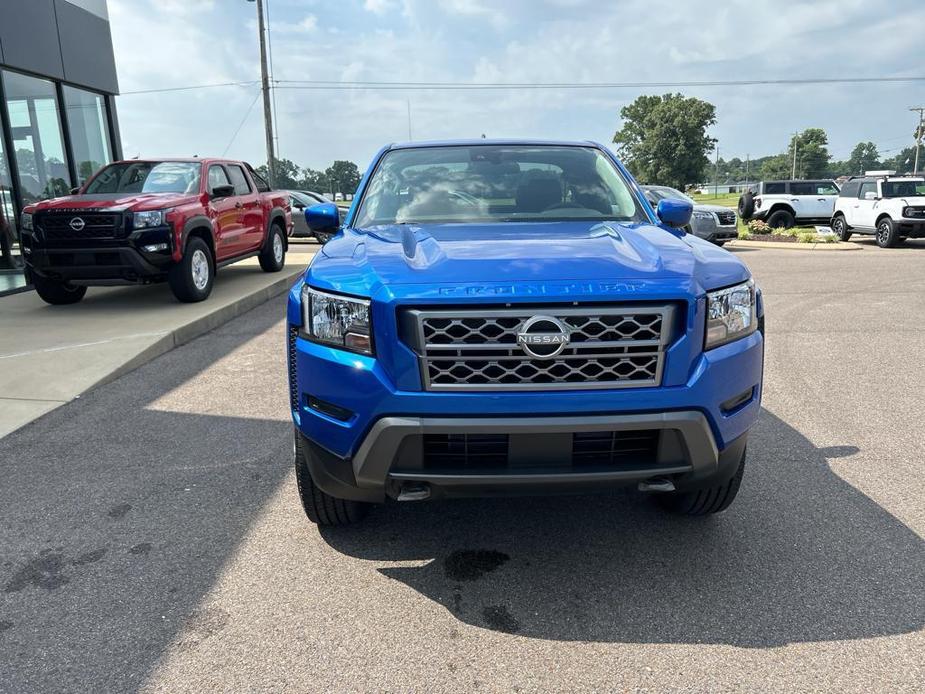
(604, 347)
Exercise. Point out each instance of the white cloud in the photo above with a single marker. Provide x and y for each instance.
(378, 6)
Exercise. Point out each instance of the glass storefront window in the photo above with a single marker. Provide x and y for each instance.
(9, 247)
(32, 107)
(87, 125)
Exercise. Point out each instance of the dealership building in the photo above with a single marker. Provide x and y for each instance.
(57, 109)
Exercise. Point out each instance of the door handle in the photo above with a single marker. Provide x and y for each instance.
(238, 205)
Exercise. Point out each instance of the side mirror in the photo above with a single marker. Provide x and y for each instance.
(870, 195)
(298, 206)
(323, 217)
(222, 192)
(674, 213)
(75, 191)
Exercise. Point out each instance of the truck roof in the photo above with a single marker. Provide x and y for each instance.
(496, 143)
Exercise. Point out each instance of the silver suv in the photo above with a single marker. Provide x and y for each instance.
(789, 203)
(711, 222)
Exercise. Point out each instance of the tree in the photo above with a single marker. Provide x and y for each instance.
(812, 154)
(314, 180)
(902, 162)
(663, 139)
(864, 157)
(775, 168)
(343, 177)
(288, 175)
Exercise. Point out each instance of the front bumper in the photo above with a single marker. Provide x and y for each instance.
(370, 442)
(710, 230)
(117, 261)
(910, 228)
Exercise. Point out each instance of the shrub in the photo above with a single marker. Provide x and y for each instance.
(757, 226)
(807, 236)
(792, 233)
(745, 234)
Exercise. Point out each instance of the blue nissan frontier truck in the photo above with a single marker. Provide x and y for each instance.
(512, 317)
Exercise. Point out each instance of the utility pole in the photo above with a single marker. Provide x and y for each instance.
(747, 157)
(919, 134)
(716, 174)
(793, 174)
(409, 120)
(265, 79)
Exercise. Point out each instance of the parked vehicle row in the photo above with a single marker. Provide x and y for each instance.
(888, 207)
(146, 221)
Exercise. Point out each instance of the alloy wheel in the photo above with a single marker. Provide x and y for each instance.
(200, 266)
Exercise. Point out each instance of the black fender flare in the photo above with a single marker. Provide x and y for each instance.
(199, 221)
(276, 213)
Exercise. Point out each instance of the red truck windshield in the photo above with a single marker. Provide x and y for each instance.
(147, 177)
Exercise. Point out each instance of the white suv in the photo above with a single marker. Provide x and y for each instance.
(787, 203)
(890, 207)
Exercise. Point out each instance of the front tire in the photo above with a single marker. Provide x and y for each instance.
(781, 219)
(273, 256)
(886, 234)
(57, 293)
(323, 509)
(840, 227)
(707, 500)
(191, 279)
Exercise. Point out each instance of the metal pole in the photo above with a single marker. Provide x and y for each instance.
(716, 174)
(919, 132)
(747, 156)
(793, 174)
(409, 121)
(267, 112)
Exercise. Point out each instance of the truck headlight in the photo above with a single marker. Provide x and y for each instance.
(25, 222)
(731, 314)
(703, 215)
(339, 321)
(154, 218)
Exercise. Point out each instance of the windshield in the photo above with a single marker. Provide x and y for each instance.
(147, 177)
(666, 193)
(492, 183)
(903, 189)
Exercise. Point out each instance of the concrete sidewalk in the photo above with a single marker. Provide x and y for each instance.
(50, 355)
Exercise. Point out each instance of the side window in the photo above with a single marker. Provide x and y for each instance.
(778, 188)
(239, 180)
(801, 188)
(217, 177)
(262, 185)
(868, 187)
(850, 189)
(826, 188)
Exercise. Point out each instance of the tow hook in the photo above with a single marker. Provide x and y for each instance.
(656, 484)
(414, 491)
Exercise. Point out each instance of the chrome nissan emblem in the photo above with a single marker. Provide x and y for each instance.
(543, 337)
(77, 224)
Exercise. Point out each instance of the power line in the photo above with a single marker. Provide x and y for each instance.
(466, 86)
(241, 124)
(190, 88)
(331, 84)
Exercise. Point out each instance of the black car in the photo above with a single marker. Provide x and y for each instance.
(300, 201)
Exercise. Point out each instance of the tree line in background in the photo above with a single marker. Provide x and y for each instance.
(664, 141)
(340, 177)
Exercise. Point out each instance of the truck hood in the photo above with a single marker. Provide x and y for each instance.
(426, 256)
(114, 203)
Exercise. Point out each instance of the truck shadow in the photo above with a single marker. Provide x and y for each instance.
(801, 556)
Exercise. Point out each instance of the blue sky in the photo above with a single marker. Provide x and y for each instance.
(168, 43)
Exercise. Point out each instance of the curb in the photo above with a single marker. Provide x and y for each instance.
(791, 246)
(200, 326)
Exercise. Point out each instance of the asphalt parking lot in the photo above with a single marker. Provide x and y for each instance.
(152, 537)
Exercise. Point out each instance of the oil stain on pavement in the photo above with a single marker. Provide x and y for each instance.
(49, 570)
